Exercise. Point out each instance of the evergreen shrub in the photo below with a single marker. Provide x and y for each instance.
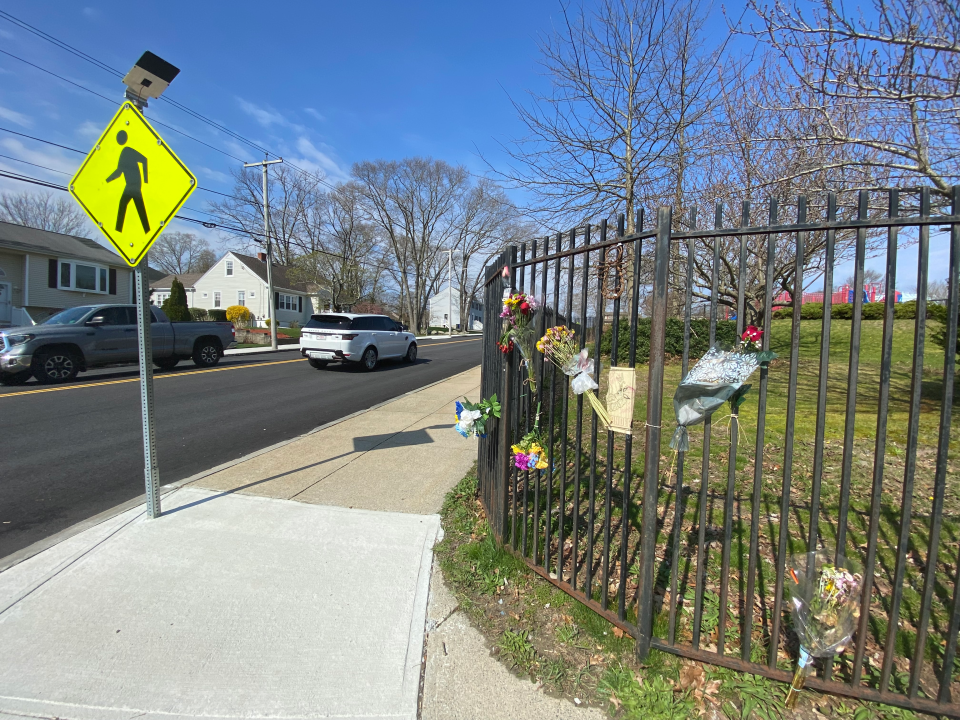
(217, 315)
(175, 306)
(198, 314)
(699, 338)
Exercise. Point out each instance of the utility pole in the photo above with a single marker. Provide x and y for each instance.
(450, 290)
(266, 231)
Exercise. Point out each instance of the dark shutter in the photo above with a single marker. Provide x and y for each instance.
(276, 301)
(113, 281)
(52, 271)
(300, 303)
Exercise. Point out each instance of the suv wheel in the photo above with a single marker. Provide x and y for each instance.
(411, 355)
(206, 353)
(318, 364)
(55, 366)
(369, 359)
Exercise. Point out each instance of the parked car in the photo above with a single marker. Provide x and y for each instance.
(91, 336)
(364, 339)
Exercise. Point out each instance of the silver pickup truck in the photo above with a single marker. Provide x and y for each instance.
(90, 336)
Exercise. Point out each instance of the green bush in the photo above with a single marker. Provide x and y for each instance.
(198, 314)
(808, 311)
(175, 306)
(873, 311)
(699, 338)
(842, 311)
(217, 315)
(938, 313)
(906, 310)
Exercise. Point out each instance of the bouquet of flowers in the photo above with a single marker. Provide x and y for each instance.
(825, 601)
(472, 417)
(518, 311)
(560, 348)
(528, 453)
(716, 378)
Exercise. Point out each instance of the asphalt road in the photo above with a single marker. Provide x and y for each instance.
(68, 452)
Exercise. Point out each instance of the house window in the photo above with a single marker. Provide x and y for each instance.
(83, 277)
(229, 268)
(216, 299)
(204, 294)
(241, 298)
(253, 294)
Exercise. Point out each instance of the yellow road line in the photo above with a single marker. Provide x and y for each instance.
(156, 377)
(179, 374)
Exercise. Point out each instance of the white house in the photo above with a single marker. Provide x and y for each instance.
(439, 308)
(237, 279)
(43, 272)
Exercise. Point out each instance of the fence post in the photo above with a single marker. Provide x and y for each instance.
(506, 401)
(651, 465)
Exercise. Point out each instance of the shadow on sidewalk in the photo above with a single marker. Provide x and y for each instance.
(406, 438)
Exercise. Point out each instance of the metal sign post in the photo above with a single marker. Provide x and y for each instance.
(151, 468)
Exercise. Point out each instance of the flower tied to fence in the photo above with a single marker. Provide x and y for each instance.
(559, 346)
(518, 311)
(825, 602)
(528, 452)
(472, 417)
(717, 377)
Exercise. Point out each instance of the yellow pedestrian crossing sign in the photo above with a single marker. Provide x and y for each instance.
(131, 184)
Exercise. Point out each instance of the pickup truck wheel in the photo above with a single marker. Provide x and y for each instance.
(15, 378)
(411, 355)
(206, 353)
(368, 361)
(55, 366)
(318, 364)
(167, 363)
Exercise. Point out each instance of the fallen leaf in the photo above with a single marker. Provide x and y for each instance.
(691, 677)
(617, 632)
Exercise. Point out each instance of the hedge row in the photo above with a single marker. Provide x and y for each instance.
(844, 311)
(217, 315)
(699, 338)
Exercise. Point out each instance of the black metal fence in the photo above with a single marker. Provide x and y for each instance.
(845, 442)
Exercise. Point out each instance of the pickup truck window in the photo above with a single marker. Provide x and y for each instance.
(328, 322)
(114, 316)
(67, 317)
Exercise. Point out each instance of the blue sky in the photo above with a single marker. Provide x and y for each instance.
(322, 84)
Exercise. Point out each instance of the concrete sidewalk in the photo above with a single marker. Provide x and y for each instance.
(292, 584)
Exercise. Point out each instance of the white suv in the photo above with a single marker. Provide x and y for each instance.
(345, 337)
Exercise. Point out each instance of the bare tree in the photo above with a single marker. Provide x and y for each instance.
(886, 83)
(177, 253)
(291, 192)
(43, 211)
(414, 204)
(630, 82)
(346, 256)
(487, 222)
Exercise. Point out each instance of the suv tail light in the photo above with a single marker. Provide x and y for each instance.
(349, 336)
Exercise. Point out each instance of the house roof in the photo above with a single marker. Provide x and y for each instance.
(28, 239)
(188, 280)
(280, 279)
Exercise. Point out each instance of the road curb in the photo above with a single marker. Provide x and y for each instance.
(36, 548)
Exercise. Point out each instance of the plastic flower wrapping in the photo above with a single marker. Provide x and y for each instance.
(518, 313)
(717, 377)
(472, 417)
(559, 346)
(825, 603)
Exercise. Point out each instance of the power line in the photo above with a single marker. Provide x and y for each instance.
(103, 66)
(48, 142)
(42, 167)
(205, 223)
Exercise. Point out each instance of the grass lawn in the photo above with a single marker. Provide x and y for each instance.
(549, 637)
(732, 510)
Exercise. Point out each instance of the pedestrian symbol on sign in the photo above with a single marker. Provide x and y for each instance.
(129, 167)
